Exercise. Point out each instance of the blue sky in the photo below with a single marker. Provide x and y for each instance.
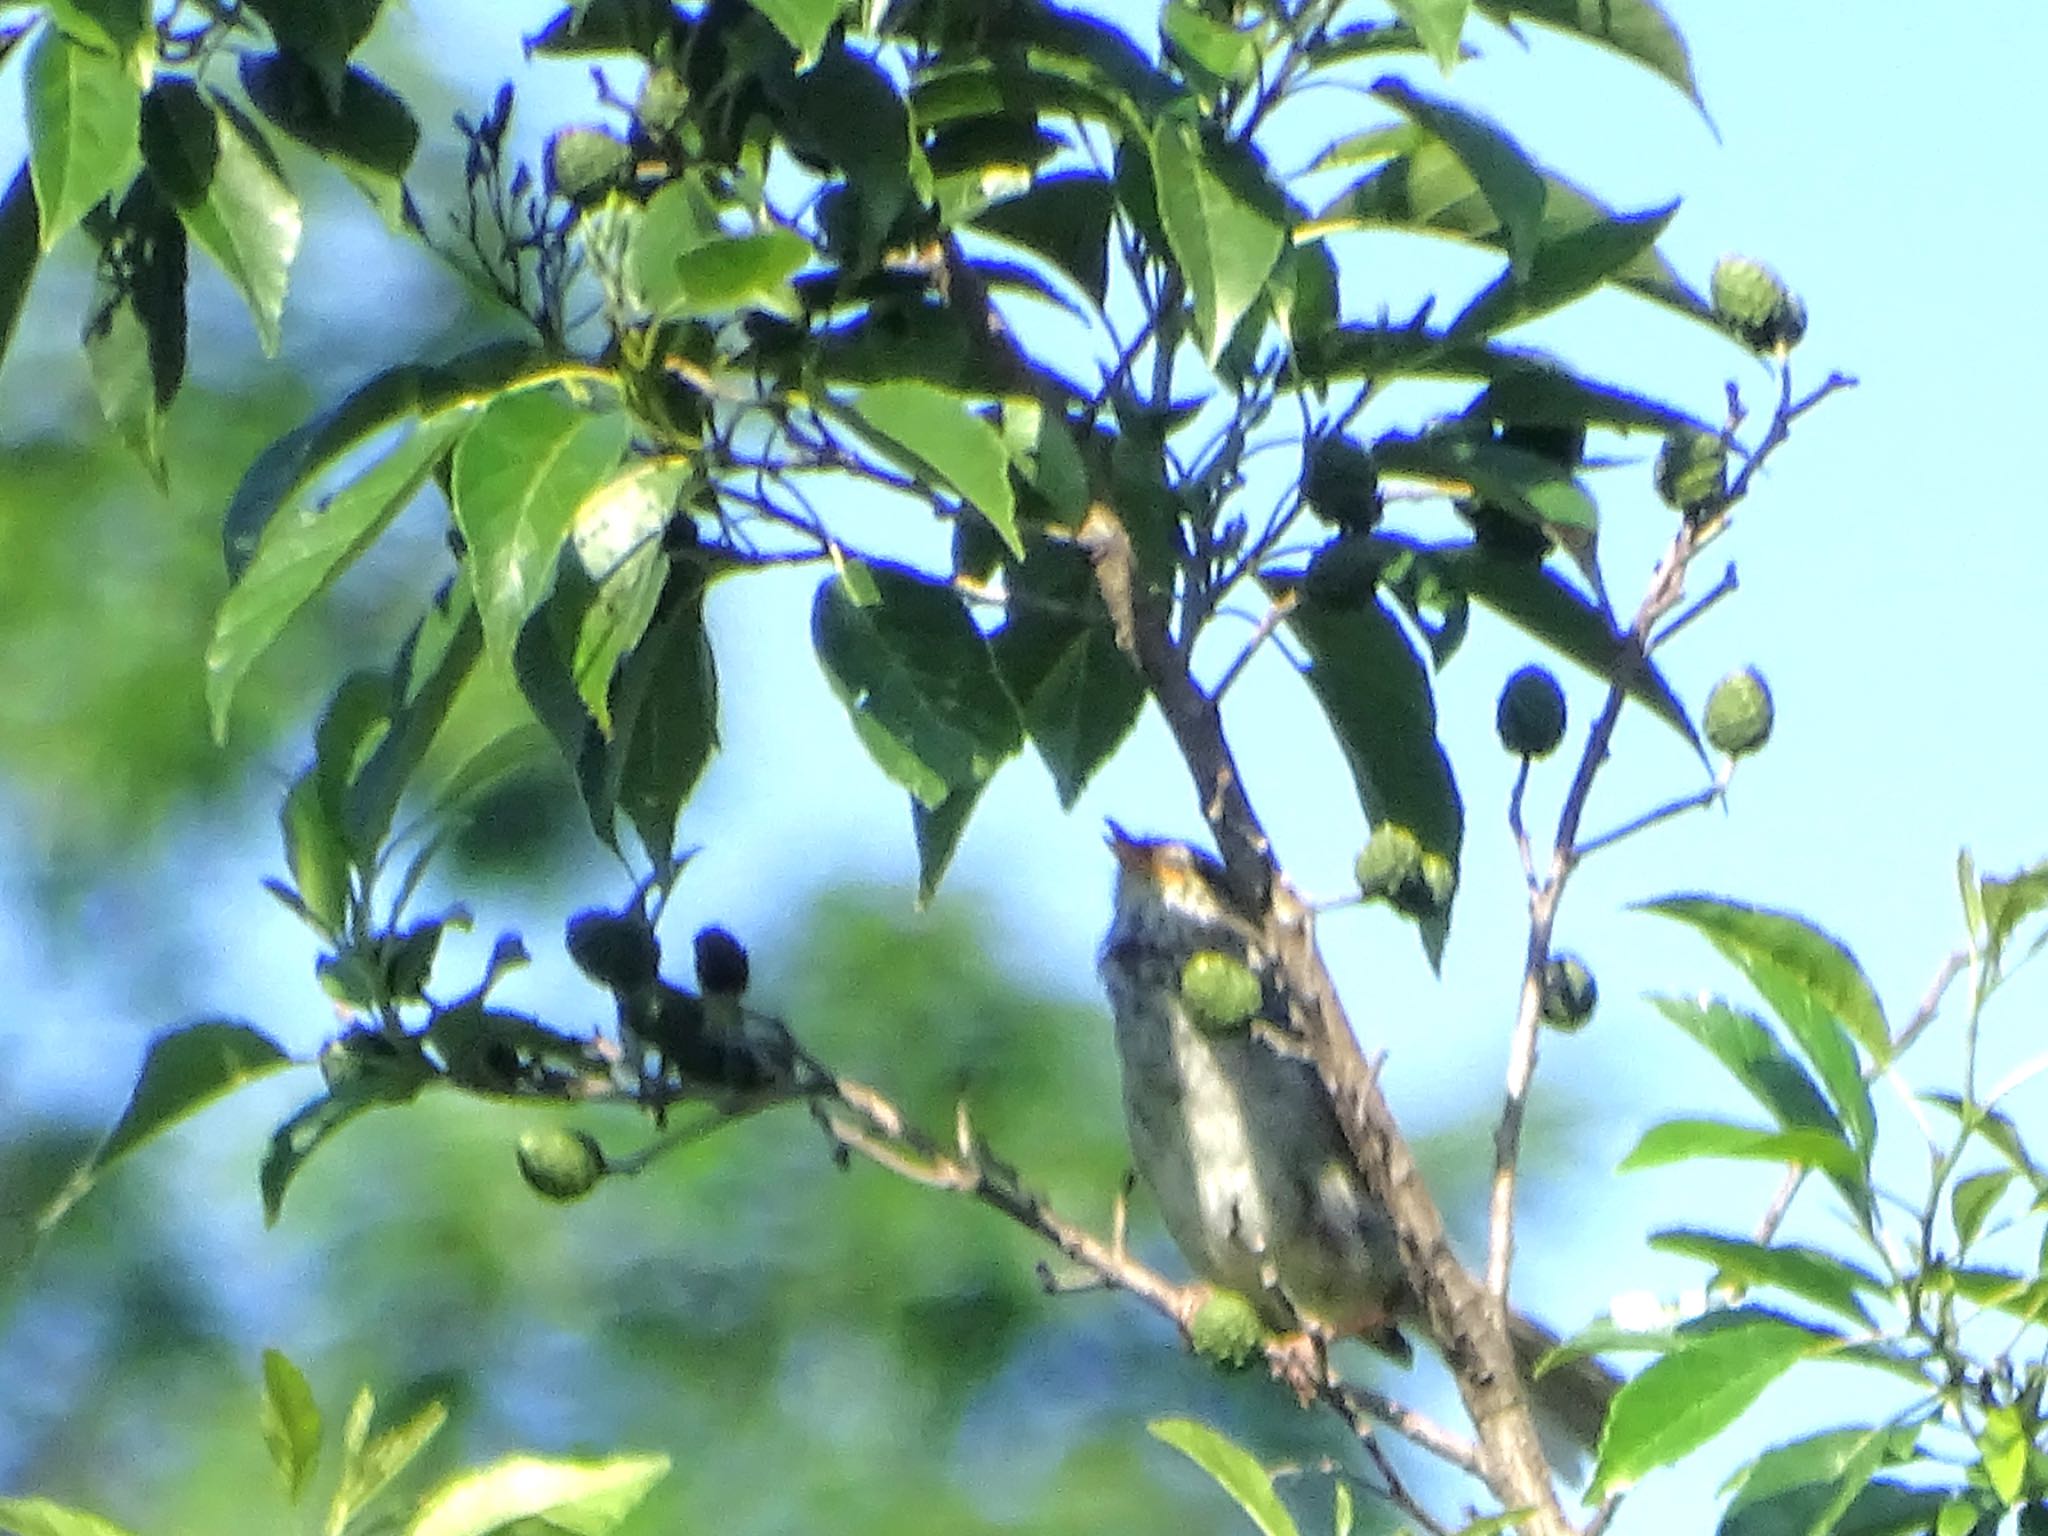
(1892, 589)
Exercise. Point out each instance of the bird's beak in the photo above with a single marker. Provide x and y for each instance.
(1131, 853)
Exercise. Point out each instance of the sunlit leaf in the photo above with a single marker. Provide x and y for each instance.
(586, 1498)
(1741, 1043)
(1224, 221)
(291, 1423)
(1675, 1141)
(1636, 29)
(41, 1517)
(939, 433)
(1438, 23)
(803, 22)
(1236, 1471)
(369, 1465)
(1807, 1273)
(1972, 1200)
(1512, 184)
(83, 108)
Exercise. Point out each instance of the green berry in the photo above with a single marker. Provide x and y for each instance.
(1569, 993)
(662, 102)
(561, 1164)
(1692, 471)
(1220, 992)
(1753, 303)
(1226, 1331)
(1531, 715)
(1739, 713)
(1392, 860)
(1341, 484)
(586, 163)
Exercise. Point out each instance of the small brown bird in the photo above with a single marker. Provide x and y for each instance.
(1237, 1140)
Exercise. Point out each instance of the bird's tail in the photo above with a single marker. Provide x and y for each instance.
(1573, 1395)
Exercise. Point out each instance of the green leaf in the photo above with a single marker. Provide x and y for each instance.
(1533, 487)
(1562, 267)
(186, 1069)
(111, 26)
(618, 540)
(2006, 1447)
(302, 554)
(1972, 1200)
(804, 22)
(1236, 1471)
(1078, 693)
(1995, 1126)
(664, 710)
(1542, 604)
(1538, 392)
(283, 472)
(1426, 189)
(436, 660)
(214, 165)
(368, 1466)
(1811, 1486)
(1683, 1400)
(519, 475)
(316, 852)
(739, 272)
(294, 1142)
(20, 229)
(1374, 690)
(82, 113)
(1807, 1273)
(845, 111)
(135, 324)
(291, 1423)
(1210, 48)
(937, 831)
(1741, 1043)
(1677, 1141)
(321, 32)
(1065, 218)
(40, 1517)
(1224, 220)
(1636, 29)
(583, 1498)
(941, 435)
(2009, 901)
(361, 127)
(1512, 184)
(1438, 23)
(1810, 980)
(916, 677)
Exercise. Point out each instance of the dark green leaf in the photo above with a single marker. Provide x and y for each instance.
(1805, 1487)
(844, 111)
(1065, 218)
(2002, 1290)
(316, 852)
(41, 1517)
(1677, 1141)
(1428, 190)
(804, 22)
(1236, 1471)
(1540, 393)
(301, 555)
(20, 227)
(1532, 486)
(590, 1498)
(1972, 1200)
(186, 1069)
(284, 470)
(1511, 183)
(1374, 690)
(939, 434)
(1741, 1043)
(323, 33)
(111, 26)
(135, 325)
(1386, 352)
(1880, 1508)
(1368, 39)
(937, 831)
(1807, 1273)
(1539, 602)
(1684, 1399)
(291, 1423)
(436, 660)
(369, 136)
(1210, 49)
(82, 111)
(212, 162)
(1076, 690)
(1636, 29)
(1224, 221)
(916, 677)
(664, 710)
(1563, 266)
(1813, 984)
(1438, 23)
(520, 473)
(1016, 85)
(299, 1138)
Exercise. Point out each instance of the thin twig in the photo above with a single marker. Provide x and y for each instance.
(1699, 799)
(1515, 826)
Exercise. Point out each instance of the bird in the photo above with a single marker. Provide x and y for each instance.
(1233, 1133)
